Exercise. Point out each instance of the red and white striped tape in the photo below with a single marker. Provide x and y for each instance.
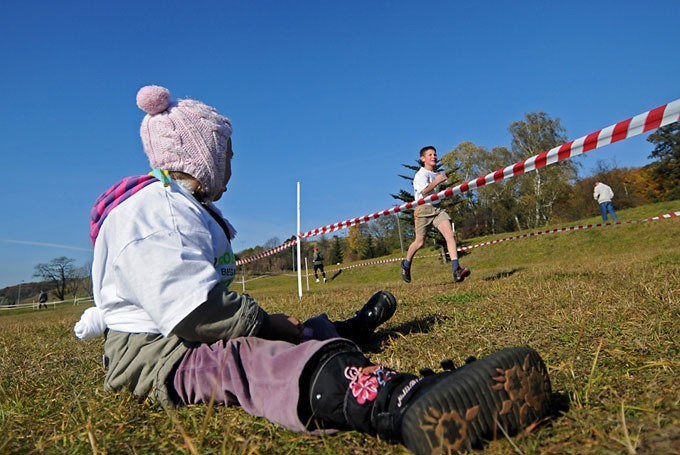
(521, 236)
(515, 237)
(647, 121)
(642, 123)
(378, 262)
(269, 252)
(568, 229)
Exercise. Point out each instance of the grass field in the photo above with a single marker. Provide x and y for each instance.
(602, 307)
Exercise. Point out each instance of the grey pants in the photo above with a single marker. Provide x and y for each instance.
(262, 376)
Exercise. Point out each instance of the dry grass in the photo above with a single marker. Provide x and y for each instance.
(602, 307)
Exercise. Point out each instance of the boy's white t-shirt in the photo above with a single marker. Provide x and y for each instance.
(423, 178)
(156, 257)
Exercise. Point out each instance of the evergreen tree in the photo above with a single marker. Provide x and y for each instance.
(368, 247)
(666, 170)
(407, 195)
(406, 217)
(335, 256)
(324, 245)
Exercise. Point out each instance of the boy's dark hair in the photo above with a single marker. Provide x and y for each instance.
(426, 148)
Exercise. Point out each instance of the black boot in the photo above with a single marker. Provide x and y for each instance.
(461, 409)
(379, 308)
(439, 413)
(342, 389)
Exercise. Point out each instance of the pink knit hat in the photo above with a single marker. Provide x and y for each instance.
(186, 136)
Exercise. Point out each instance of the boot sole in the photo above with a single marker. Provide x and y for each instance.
(509, 389)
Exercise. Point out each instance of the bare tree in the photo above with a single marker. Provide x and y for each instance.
(60, 272)
(489, 209)
(536, 133)
(83, 283)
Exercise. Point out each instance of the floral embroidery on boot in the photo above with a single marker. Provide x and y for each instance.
(366, 382)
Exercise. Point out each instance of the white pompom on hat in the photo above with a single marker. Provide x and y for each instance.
(186, 136)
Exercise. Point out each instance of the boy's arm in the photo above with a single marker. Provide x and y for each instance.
(430, 186)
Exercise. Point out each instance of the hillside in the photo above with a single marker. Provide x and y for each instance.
(601, 306)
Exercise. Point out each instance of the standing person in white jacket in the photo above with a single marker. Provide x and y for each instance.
(603, 194)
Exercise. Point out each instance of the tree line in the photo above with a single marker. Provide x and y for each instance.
(60, 278)
(552, 194)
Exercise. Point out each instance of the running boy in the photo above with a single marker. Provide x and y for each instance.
(425, 183)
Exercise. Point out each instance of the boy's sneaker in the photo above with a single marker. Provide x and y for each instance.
(483, 400)
(460, 274)
(317, 280)
(405, 272)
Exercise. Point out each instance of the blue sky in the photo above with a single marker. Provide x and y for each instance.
(336, 95)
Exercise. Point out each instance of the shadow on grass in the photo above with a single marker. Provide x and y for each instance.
(559, 406)
(503, 274)
(420, 325)
(577, 275)
(559, 402)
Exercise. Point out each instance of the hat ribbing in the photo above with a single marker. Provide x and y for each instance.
(186, 136)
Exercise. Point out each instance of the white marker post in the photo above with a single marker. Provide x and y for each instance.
(401, 242)
(299, 262)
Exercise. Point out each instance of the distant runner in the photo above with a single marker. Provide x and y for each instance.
(317, 262)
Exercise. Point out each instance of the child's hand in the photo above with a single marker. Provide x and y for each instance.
(284, 327)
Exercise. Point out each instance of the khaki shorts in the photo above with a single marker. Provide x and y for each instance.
(426, 215)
